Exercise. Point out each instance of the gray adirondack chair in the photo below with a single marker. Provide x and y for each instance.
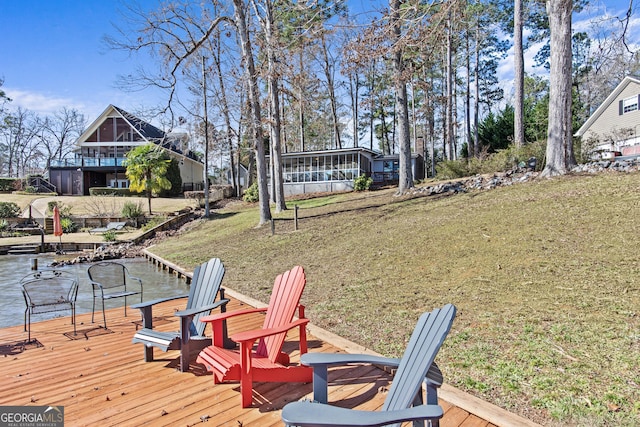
(205, 285)
(404, 401)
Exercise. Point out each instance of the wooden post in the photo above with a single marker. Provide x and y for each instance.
(273, 227)
(295, 218)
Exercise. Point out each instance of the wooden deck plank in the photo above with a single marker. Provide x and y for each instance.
(102, 379)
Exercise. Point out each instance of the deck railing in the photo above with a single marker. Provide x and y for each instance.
(89, 162)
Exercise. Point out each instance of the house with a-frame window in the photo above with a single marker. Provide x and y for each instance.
(100, 152)
(614, 127)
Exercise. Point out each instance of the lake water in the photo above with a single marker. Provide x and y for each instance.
(156, 283)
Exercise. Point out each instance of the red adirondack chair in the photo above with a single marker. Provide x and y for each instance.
(266, 362)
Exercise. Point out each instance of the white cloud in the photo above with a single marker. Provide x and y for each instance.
(38, 102)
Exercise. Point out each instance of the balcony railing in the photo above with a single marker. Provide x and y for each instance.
(89, 162)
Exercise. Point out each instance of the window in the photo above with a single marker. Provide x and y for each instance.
(629, 104)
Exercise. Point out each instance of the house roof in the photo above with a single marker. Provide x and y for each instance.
(330, 151)
(149, 132)
(606, 103)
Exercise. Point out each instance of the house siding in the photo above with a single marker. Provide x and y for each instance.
(611, 126)
(101, 150)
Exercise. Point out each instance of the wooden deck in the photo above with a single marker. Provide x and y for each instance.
(101, 379)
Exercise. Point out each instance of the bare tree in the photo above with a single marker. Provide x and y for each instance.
(176, 34)
(271, 41)
(328, 62)
(61, 132)
(254, 108)
(19, 141)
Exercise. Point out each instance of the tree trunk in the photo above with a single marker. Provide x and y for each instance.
(476, 101)
(354, 88)
(301, 102)
(276, 127)
(559, 131)
(235, 183)
(254, 105)
(467, 100)
(332, 93)
(405, 178)
(449, 108)
(518, 107)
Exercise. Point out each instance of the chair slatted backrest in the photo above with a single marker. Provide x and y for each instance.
(49, 290)
(205, 285)
(427, 338)
(108, 274)
(285, 298)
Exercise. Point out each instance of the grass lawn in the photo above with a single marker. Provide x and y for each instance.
(97, 205)
(545, 275)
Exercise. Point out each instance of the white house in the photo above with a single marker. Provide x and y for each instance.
(614, 127)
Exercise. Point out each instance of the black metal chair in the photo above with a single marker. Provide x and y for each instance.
(112, 280)
(47, 291)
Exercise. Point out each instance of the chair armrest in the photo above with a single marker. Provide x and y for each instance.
(250, 336)
(317, 414)
(157, 301)
(329, 359)
(94, 284)
(137, 279)
(193, 311)
(223, 316)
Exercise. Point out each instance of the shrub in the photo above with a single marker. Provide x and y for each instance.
(7, 184)
(65, 211)
(132, 210)
(154, 222)
(362, 183)
(109, 236)
(500, 161)
(251, 194)
(173, 175)
(107, 191)
(9, 210)
(68, 226)
(4, 225)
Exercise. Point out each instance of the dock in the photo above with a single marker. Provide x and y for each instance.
(101, 378)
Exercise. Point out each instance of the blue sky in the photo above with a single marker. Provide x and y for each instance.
(52, 54)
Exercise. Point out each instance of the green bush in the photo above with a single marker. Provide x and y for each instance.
(500, 161)
(9, 210)
(173, 175)
(362, 183)
(132, 210)
(7, 184)
(4, 225)
(109, 236)
(154, 222)
(65, 211)
(68, 226)
(108, 191)
(251, 194)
